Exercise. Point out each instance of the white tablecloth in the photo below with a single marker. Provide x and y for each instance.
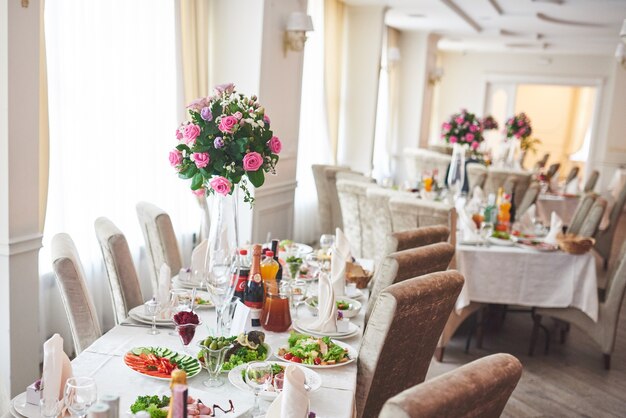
(517, 276)
(563, 206)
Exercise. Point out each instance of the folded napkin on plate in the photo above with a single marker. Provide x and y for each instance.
(556, 225)
(56, 368)
(468, 228)
(327, 312)
(165, 285)
(198, 256)
(340, 256)
(295, 399)
(526, 224)
(572, 187)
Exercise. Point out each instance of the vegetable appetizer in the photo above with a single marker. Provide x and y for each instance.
(311, 350)
(245, 348)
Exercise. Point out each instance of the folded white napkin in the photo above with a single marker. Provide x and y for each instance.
(468, 228)
(56, 368)
(340, 255)
(526, 224)
(474, 204)
(556, 225)
(295, 399)
(327, 311)
(198, 257)
(165, 285)
(572, 187)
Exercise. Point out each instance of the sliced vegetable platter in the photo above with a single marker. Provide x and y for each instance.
(159, 362)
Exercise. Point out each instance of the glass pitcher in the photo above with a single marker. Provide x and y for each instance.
(275, 315)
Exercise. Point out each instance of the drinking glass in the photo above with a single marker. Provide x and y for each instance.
(279, 382)
(327, 241)
(213, 360)
(297, 295)
(50, 407)
(229, 312)
(258, 377)
(152, 309)
(456, 173)
(486, 230)
(79, 394)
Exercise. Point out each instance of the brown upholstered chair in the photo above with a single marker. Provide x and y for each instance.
(403, 265)
(400, 338)
(591, 181)
(418, 237)
(123, 280)
(478, 389)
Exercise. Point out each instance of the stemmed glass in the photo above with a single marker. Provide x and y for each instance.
(152, 309)
(50, 407)
(213, 360)
(297, 295)
(486, 230)
(456, 173)
(79, 394)
(258, 377)
(326, 242)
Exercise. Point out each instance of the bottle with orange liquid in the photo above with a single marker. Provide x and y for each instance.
(269, 269)
(504, 214)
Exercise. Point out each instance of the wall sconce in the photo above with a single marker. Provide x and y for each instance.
(434, 76)
(298, 24)
(620, 55)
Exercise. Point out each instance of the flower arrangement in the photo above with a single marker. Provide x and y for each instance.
(463, 128)
(489, 123)
(227, 141)
(518, 126)
(529, 144)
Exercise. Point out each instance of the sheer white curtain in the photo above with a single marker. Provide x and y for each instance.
(114, 107)
(313, 143)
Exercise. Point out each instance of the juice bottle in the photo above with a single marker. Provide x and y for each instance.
(269, 269)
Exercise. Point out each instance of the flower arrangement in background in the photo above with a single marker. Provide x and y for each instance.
(463, 128)
(529, 144)
(518, 126)
(227, 141)
(489, 123)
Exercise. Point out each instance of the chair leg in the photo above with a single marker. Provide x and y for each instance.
(439, 353)
(605, 265)
(480, 328)
(533, 336)
(564, 332)
(607, 361)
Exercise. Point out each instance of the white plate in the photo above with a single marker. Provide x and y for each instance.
(185, 285)
(352, 353)
(501, 242)
(171, 354)
(138, 313)
(23, 408)
(357, 294)
(312, 379)
(300, 249)
(347, 313)
(353, 329)
(274, 410)
(205, 296)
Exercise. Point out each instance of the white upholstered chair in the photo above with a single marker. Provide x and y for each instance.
(590, 184)
(418, 160)
(592, 221)
(497, 177)
(123, 280)
(604, 237)
(160, 239)
(476, 175)
(584, 205)
(410, 212)
(529, 198)
(354, 208)
(70, 278)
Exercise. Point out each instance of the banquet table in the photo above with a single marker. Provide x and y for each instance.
(564, 206)
(103, 361)
(526, 277)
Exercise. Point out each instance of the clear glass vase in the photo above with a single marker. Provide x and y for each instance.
(456, 172)
(221, 265)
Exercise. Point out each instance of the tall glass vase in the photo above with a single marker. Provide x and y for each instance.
(456, 172)
(221, 265)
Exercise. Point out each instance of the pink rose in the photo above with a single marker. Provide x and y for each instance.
(227, 123)
(473, 128)
(224, 88)
(221, 185)
(266, 118)
(446, 126)
(453, 139)
(469, 137)
(201, 159)
(474, 145)
(518, 135)
(179, 134)
(275, 145)
(198, 104)
(199, 192)
(520, 123)
(176, 157)
(238, 115)
(252, 161)
(190, 133)
(458, 119)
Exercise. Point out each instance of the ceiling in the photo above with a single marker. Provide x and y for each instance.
(589, 27)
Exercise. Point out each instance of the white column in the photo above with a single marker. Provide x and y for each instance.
(19, 194)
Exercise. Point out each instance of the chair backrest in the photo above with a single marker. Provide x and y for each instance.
(123, 280)
(476, 175)
(553, 169)
(604, 238)
(612, 305)
(530, 197)
(509, 185)
(478, 389)
(592, 181)
(441, 148)
(327, 197)
(584, 205)
(403, 265)
(594, 217)
(410, 213)
(419, 160)
(573, 173)
(401, 336)
(70, 277)
(335, 208)
(354, 209)
(544, 159)
(413, 238)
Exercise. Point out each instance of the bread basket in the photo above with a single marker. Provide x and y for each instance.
(574, 244)
(356, 274)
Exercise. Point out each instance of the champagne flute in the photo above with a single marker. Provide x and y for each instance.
(152, 309)
(79, 394)
(297, 294)
(258, 377)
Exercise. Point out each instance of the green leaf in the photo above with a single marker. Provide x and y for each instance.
(189, 172)
(257, 178)
(182, 147)
(196, 182)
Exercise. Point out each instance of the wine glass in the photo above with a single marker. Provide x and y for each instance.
(456, 172)
(486, 230)
(213, 360)
(297, 295)
(79, 394)
(258, 377)
(152, 309)
(50, 407)
(327, 241)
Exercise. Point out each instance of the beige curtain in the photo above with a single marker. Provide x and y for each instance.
(333, 62)
(194, 31)
(44, 142)
(393, 55)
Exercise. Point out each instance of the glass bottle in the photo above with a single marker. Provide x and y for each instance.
(179, 377)
(279, 273)
(269, 269)
(244, 271)
(255, 291)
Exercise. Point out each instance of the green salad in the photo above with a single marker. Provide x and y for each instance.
(314, 351)
(242, 349)
(152, 405)
(501, 235)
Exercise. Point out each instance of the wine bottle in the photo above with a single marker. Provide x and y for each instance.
(255, 291)
(244, 271)
(279, 273)
(179, 398)
(179, 377)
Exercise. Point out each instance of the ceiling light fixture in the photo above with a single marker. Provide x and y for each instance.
(298, 24)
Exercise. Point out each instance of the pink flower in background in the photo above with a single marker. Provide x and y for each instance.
(520, 123)
(252, 161)
(473, 128)
(227, 123)
(453, 139)
(469, 137)
(275, 145)
(459, 119)
(225, 88)
(199, 192)
(518, 135)
(266, 119)
(198, 104)
(446, 126)
(176, 157)
(238, 115)
(201, 159)
(179, 134)
(190, 133)
(221, 185)
(474, 145)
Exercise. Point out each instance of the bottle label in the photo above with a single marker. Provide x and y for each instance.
(257, 278)
(241, 284)
(255, 313)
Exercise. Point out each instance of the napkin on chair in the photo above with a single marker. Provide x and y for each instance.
(295, 399)
(198, 256)
(340, 256)
(327, 311)
(556, 225)
(56, 368)
(165, 284)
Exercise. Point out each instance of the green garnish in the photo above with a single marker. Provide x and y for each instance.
(152, 405)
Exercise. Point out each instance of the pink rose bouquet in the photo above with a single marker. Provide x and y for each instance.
(489, 123)
(227, 142)
(463, 128)
(518, 127)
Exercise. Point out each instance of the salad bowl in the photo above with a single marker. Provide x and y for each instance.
(316, 352)
(312, 379)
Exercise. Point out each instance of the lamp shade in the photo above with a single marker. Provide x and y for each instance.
(299, 22)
